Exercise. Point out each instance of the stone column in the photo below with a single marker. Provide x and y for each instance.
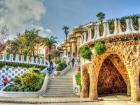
(36, 61)
(89, 34)
(134, 87)
(65, 52)
(96, 31)
(117, 28)
(106, 29)
(17, 58)
(22, 58)
(4, 57)
(32, 59)
(85, 35)
(93, 93)
(27, 59)
(11, 58)
(69, 49)
(73, 44)
(139, 23)
(129, 25)
(78, 45)
(84, 81)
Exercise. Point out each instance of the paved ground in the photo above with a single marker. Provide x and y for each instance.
(84, 103)
(107, 100)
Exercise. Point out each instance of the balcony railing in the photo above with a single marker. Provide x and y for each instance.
(107, 29)
(23, 59)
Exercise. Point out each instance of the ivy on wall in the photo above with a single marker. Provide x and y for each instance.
(99, 48)
(85, 52)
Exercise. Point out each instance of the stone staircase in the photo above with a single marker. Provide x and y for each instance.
(60, 86)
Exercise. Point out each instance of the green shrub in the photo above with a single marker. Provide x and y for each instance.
(32, 81)
(57, 62)
(99, 48)
(15, 64)
(11, 88)
(78, 78)
(17, 80)
(2, 64)
(85, 52)
(61, 66)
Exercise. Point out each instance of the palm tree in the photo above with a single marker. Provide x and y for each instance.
(100, 16)
(66, 31)
(49, 41)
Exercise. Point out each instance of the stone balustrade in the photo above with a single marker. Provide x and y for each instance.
(119, 29)
(23, 59)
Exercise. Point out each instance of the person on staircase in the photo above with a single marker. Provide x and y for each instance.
(73, 62)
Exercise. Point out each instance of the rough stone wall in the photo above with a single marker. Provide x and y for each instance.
(129, 54)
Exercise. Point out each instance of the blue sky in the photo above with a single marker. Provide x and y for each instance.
(78, 12)
(50, 15)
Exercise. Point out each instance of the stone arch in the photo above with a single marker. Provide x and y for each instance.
(128, 56)
(117, 67)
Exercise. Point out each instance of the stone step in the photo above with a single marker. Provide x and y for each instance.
(60, 84)
(60, 95)
(59, 90)
(56, 86)
(61, 80)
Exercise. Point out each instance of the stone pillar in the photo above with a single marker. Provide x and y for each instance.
(93, 93)
(73, 47)
(65, 52)
(134, 87)
(27, 59)
(81, 39)
(85, 37)
(36, 60)
(11, 58)
(117, 28)
(106, 29)
(84, 81)
(22, 58)
(78, 45)
(4, 57)
(32, 59)
(69, 49)
(17, 58)
(96, 31)
(129, 25)
(89, 34)
(139, 23)
(41, 61)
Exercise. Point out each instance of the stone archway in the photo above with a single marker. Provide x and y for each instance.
(129, 54)
(113, 77)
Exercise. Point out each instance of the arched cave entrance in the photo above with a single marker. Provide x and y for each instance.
(110, 80)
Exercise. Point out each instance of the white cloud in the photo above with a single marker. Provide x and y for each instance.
(42, 31)
(18, 14)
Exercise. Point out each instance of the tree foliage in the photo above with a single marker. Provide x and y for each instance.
(66, 31)
(100, 16)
